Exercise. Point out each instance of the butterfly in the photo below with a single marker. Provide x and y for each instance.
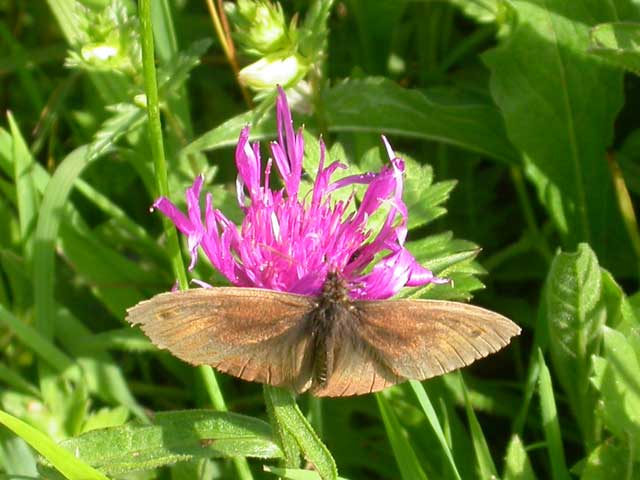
(327, 344)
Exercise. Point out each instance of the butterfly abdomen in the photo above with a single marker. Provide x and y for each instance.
(329, 330)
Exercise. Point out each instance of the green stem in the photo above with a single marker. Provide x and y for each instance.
(162, 188)
(155, 137)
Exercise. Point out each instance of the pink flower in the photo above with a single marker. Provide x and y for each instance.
(291, 244)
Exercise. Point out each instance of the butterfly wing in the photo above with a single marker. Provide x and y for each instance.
(419, 339)
(253, 334)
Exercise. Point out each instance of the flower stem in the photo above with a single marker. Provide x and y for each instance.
(221, 26)
(162, 188)
(155, 136)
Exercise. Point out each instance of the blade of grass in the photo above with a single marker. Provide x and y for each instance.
(550, 423)
(432, 418)
(55, 197)
(17, 458)
(26, 196)
(406, 458)
(64, 461)
(40, 345)
(13, 379)
(103, 375)
(486, 467)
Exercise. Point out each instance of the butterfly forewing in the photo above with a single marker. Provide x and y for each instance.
(419, 339)
(253, 334)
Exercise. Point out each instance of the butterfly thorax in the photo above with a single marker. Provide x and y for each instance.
(330, 324)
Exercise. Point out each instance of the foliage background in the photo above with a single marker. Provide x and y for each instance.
(520, 114)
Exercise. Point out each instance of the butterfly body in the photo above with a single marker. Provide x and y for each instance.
(327, 344)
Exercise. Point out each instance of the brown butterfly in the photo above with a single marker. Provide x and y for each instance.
(328, 344)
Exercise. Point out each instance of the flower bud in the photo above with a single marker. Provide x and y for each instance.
(262, 27)
(274, 70)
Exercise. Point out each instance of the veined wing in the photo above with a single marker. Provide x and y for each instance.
(419, 339)
(254, 334)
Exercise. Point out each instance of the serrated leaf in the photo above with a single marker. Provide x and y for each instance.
(172, 437)
(422, 197)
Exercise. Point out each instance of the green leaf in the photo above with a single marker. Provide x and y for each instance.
(616, 378)
(174, 436)
(482, 11)
(550, 422)
(290, 423)
(449, 258)
(295, 473)
(618, 43)
(517, 464)
(422, 197)
(575, 315)
(406, 458)
(70, 466)
(104, 418)
(379, 105)
(227, 134)
(559, 104)
(611, 459)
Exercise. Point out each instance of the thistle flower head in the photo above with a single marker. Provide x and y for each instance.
(292, 242)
